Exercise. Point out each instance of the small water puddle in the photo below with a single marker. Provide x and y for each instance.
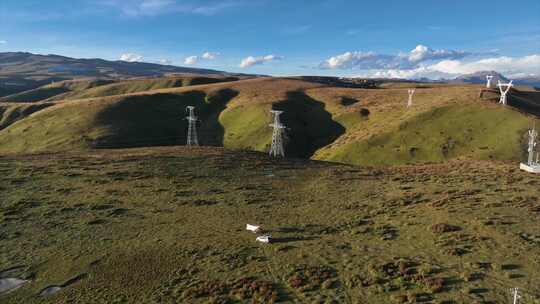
(47, 291)
(52, 289)
(10, 284)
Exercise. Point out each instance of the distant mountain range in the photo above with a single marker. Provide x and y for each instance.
(21, 71)
(480, 78)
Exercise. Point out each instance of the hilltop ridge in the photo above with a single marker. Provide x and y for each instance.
(364, 126)
(21, 71)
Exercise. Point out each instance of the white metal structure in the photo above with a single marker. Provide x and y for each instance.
(192, 139)
(504, 88)
(253, 228)
(515, 295)
(411, 93)
(532, 165)
(489, 78)
(264, 238)
(276, 149)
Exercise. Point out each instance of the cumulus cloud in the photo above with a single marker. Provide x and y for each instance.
(209, 55)
(513, 67)
(190, 60)
(251, 61)
(130, 57)
(509, 65)
(424, 53)
(372, 60)
(425, 62)
(362, 60)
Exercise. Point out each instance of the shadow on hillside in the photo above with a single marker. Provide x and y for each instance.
(35, 95)
(310, 126)
(10, 116)
(159, 119)
(527, 101)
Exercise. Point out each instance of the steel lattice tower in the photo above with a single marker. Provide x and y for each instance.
(276, 149)
(192, 139)
(504, 91)
(411, 93)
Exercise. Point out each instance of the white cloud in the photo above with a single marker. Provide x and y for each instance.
(350, 60)
(423, 53)
(135, 8)
(209, 55)
(372, 60)
(509, 65)
(3, 41)
(165, 61)
(130, 57)
(191, 60)
(513, 67)
(250, 61)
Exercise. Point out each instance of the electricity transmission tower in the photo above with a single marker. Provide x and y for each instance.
(411, 93)
(276, 149)
(192, 139)
(489, 78)
(504, 91)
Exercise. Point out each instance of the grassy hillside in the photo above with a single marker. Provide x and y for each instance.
(12, 112)
(475, 131)
(167, 225)
(358, 126)
(54, 89)
(25, 71)
(140, 85)
(80, 89)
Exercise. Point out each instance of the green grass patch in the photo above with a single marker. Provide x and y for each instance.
(474, 131)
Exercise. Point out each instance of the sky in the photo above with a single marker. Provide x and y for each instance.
(390, 38)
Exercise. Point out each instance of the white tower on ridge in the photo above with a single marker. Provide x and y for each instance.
(411, 93)
(532, 165)
(192, 139)
(504, 91)
(276, 149)
(489, 78)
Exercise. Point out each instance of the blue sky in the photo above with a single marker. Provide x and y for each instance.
(310, 37)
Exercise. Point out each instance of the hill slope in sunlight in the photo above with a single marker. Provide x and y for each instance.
(351, 125)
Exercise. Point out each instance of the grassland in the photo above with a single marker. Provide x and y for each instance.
(166, 225)
(349, 125)
(81, 89)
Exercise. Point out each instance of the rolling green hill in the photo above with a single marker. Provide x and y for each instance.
(140, 85)
(357, 126)
(80, 89)
(54, 89)
(23, 71)
(12, 112)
